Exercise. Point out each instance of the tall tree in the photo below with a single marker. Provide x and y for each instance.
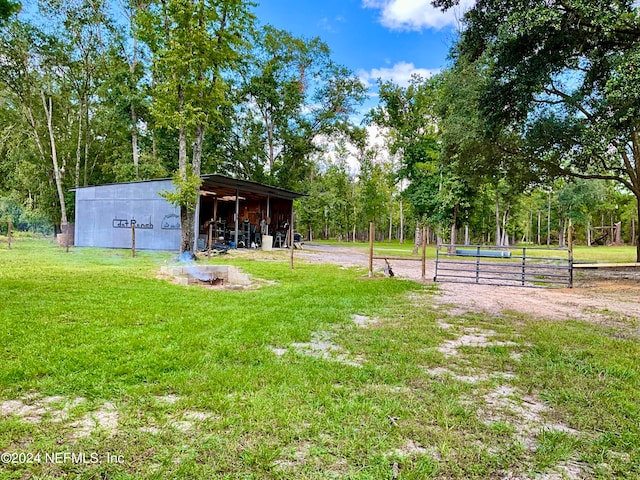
(86, 30)
(296, 95)
(31, 76)
(193, 43)
(565, 76)
(409, 116)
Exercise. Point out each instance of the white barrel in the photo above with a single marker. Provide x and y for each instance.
(267, 243)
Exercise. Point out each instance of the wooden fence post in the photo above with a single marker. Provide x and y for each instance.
(9, 233)
(66, 237)
(133, 239)
(372, 232)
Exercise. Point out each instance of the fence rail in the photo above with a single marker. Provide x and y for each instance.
(532, 267)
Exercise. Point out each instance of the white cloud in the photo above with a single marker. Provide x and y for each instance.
(416, 14)
(399, 74)
(331, 25)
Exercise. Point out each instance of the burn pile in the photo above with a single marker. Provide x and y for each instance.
(223, 276)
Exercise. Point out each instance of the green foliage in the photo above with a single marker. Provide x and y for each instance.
(23, 219)
(291, 94)
(8, 8)
(580, 198)
(187, 191)
(328, 208)
(372, 189)
(193, 44)
(562, 76)
(437, 190)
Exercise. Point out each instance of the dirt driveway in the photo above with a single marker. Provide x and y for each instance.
(603, 297)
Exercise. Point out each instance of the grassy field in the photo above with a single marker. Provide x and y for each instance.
(108, 371)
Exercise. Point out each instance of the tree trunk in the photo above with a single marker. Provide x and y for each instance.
(57, 174)
(618, 228)
(589, 233)
(355, 221)
(549, 220)
(187, 221)
(391, 218)
(401, 224)
(196, 163)
(539, 223)
(498, 235)
(187, 215)
(418, 239)
(79, 146)
(637, 229)
(87, 132)
(134, 114)
(504, 239)
(134, 141)
(454, 230)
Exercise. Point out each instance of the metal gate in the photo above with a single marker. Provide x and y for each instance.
(508, 266)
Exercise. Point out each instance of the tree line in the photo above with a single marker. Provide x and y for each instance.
(532, 125)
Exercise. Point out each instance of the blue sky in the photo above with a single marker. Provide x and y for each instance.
(390, 39)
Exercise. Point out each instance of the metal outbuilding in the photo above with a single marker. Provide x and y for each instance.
(235, 212)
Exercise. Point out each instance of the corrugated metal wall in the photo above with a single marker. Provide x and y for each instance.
(104, 214)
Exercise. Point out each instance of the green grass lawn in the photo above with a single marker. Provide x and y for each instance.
(99, 356)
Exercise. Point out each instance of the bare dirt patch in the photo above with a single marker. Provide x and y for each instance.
(104, 419)
(363, 321)
(33, 409)
(480, 339)
(322, 346)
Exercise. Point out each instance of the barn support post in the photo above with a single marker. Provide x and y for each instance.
(237, 217)
(291, 237)
(268, 213)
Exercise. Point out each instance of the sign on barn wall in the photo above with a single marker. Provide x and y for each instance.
(124, 223)
(171, 222)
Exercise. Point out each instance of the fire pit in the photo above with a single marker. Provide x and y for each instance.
(226, 276)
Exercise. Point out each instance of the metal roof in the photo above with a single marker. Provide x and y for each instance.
(222, 186)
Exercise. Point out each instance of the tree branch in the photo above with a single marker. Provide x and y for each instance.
(597, 176)
(568, 99)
